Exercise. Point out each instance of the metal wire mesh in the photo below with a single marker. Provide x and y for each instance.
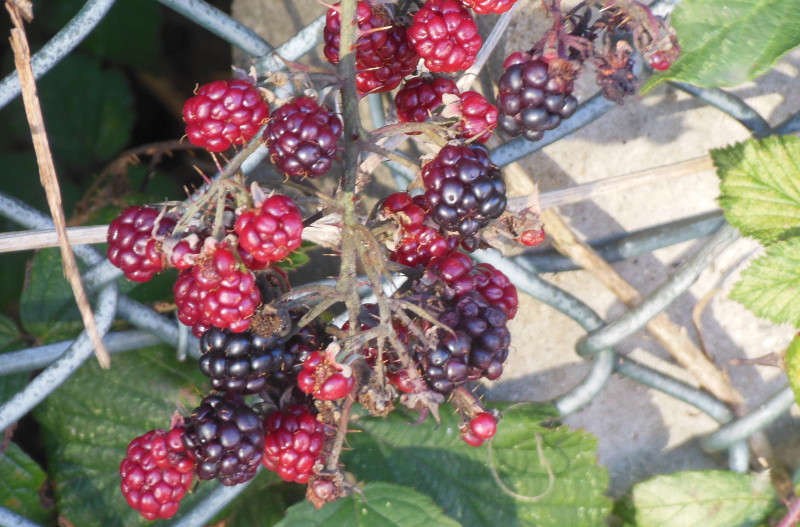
(63, 358)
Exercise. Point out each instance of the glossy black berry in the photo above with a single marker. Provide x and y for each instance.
(226, 438)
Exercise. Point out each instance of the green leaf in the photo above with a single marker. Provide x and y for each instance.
(435, 461)
(47, 306)
(88, 422)
(708, 498)
(88, 111)
(9, 341)
(379, 505)
(297, 258)
(263, 503)
(22, 480)
(128, 34)
(726, 43)
(760, 189)
(793, 367)
(770, 285)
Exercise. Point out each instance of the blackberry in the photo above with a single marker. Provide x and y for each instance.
(420, 96)
(226, 438)
(486, 7)
(463, 190)
(268, 234)
(531, 100)
(476, 348)
(303, 138)
(445, 36)
(383, 53)
(156, 473)
(293, 443)
(224, 113)
(417, 243)
(134, 242)
(241, 362)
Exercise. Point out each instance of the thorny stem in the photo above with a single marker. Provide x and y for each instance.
(332, 463)
(388, 154)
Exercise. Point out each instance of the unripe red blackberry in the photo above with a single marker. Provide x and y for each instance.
(496, 288)
(303, 138)
(323, 379)
(156, 473)
(420, 96)
(445, 36)
(293, 443)
(270, 233)
(231, 295)
(418, 242)
(530, 99)
(224, 113)
(226, 438)
(478, 116)
(463, 190)
(189, 296)
(241, 362)
(383, 53)
(133, 241)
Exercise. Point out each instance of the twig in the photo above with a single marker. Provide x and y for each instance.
(49, 179)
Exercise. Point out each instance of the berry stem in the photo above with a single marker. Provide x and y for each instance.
(332, 461)
(792, 517)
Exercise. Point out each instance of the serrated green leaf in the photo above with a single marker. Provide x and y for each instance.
(707, 498)
(378, 505)
(726, 43)
(760, 186)
(770, 285)
(435, 461)
(88, 111)
(20, 484)
(88, 422)
(47, 306)
(793, 367)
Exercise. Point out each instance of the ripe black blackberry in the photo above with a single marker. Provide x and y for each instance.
(226, 438)
(241, 362)
(530, 99)
(463, 190)
(477, 348)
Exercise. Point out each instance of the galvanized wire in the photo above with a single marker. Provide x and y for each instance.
(222, 25)
(210, 506)
(731, 105)
(636, 318)
(629, 245)
(12, 519)
(59, 46)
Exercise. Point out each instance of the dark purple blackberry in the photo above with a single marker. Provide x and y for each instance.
(477, 348)
(303, 138)
(530, 99)
(226, 438)
(241, 362)
(463, 190)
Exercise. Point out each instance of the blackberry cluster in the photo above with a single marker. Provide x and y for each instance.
(445, 36)
(530, 99)
(463, 190)
(226, 438)
(477, 347)
(242, 362)
(419, 240)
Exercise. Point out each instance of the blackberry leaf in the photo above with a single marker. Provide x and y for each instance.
(381, 505)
